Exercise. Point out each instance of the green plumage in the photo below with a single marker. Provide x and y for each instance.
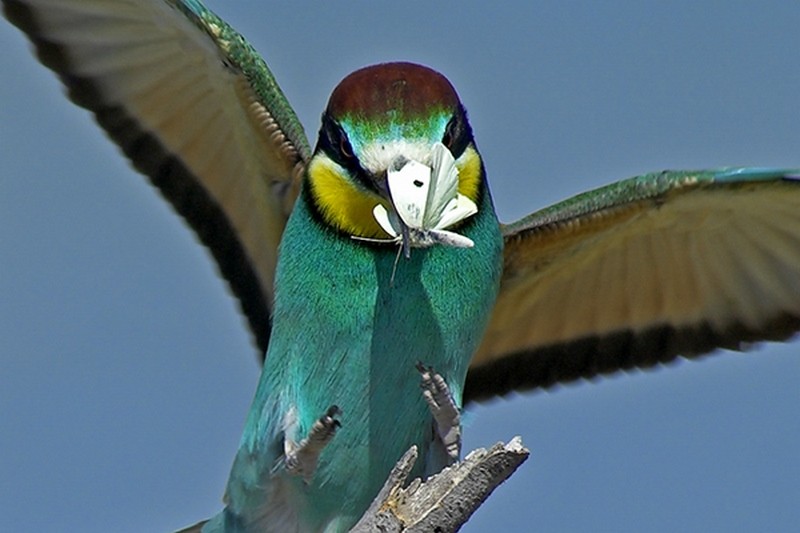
(629, 275)
(346, 334)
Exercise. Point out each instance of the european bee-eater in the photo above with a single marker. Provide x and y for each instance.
(378, 274)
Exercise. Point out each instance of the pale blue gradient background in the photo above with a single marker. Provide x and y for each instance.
(126, 370)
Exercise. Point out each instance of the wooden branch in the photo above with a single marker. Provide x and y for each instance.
(445, 501)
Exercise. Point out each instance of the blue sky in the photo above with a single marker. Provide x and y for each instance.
(126, 370)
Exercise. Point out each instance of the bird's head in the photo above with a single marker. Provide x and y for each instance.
(395, 153)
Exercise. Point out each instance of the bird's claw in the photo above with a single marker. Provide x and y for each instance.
(445, 412)
(301, 458)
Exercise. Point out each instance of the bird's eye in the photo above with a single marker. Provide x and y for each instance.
(333, 140)
(447, 139)
(457, 135)
(450, 133)
(344, 147)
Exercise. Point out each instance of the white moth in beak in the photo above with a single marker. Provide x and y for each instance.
(426, 201)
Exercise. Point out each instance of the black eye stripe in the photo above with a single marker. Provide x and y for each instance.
(457, 134)
(334, 143)
(344, 147)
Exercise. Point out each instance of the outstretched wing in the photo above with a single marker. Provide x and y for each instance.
(196, 109)
(643, 271)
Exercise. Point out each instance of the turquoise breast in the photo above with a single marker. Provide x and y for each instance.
(348, 329)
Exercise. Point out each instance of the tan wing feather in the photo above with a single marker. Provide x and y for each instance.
(640, 277)
(196, 110)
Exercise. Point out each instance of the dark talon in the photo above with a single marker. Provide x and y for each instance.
(301, 459)
(443, 408)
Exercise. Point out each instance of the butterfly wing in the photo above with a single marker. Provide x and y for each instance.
(409, 188)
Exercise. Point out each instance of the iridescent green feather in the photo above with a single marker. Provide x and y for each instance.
(241, 55)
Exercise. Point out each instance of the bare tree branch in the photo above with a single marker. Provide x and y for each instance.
(443, 502)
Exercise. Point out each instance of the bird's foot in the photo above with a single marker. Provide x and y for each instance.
(445, 412)
(301, 458)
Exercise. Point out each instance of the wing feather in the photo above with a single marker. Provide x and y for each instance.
(195, 109)
(643, 271)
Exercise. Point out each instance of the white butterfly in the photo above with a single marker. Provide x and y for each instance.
(426, 200)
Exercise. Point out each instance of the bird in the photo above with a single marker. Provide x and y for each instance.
(552, 255)
(376, 309)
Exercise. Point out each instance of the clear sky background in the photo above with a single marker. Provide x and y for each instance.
(126, 370)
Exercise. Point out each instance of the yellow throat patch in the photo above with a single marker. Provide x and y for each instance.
(348, 207)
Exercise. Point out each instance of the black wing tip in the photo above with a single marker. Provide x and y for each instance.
(49, 53)
(594, 356)
(192, 202)
(165, 171)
